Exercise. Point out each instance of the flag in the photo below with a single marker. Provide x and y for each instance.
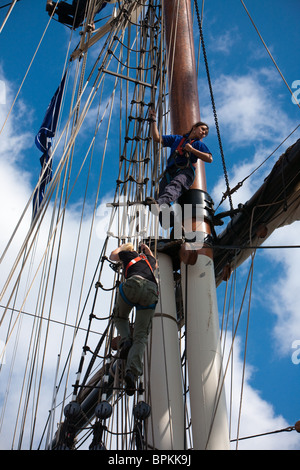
(43, 141)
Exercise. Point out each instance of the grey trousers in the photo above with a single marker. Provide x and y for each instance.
(143, 292)
(171, 189)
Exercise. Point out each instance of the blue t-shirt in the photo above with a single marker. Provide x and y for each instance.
(173, 141)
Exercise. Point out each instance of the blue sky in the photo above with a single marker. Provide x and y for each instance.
(255, 113)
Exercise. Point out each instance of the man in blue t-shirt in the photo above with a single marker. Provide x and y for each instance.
(185, 151)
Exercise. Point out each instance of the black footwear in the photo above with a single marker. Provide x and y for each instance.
(130, 383)
(153, 204)
(124, 348)
(149, 200)
(50, 7)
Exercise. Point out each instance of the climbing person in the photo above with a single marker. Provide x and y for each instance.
(139, 290)
(180, 171)
(72, 14)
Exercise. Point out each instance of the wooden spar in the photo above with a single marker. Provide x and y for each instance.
(184, 100)
(208, 407)
(183, 91)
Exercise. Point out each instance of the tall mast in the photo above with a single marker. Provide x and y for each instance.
(183, 89)
(207, 396)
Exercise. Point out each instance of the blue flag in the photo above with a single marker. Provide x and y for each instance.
(43, 141)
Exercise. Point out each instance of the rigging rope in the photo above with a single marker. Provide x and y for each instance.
(213, 105)
(268, 51)
(137, 174)
(229, 192)
(230, 353)
(26, 73)
(136, 133)
(287, 429)
(240, 183)
(11, 6)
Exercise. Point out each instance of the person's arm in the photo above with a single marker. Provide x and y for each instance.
(147, 251)
(154, 130)
(114, 256)
(205, 157)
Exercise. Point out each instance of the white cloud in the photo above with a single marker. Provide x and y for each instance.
(250, 117)
(247, 109)
(2, 92)
(257, 415)
(12, 143)
(250, 114)
(238, 172)
(15, 191)
(225, 42)
(283, 294)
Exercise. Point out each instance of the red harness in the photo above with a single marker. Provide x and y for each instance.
(179, 148)
(141, 257)
(179, 151)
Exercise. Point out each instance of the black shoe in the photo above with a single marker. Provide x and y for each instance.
(153, 204)
(149, 200)
(124, 348)
(50, 7)
(130, 383)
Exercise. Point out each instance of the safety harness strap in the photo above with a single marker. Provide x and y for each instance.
(141, 257)
(179, 151)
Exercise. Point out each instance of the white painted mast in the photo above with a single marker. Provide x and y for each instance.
(166, 422)
(207, 398)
